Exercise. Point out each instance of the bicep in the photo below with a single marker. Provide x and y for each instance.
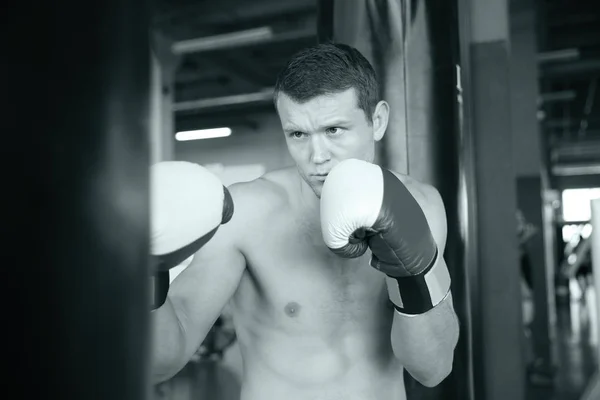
(201, 291)
(430, 201)
(435, 213)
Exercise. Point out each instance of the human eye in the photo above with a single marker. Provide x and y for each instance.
(297, 134)
(334, 130)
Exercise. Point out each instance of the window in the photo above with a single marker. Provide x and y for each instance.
(576, 204)
(576, 208)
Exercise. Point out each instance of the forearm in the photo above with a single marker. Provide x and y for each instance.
(167, 351)
(424, 344)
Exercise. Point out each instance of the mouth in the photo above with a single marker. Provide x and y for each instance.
(320, 177)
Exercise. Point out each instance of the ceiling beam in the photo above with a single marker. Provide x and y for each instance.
(584, 151)
(208, 122)
(566, 123)
(230, 40)
(582, 38)
(559, 96)
(574, 20)
(580, 67)
(559, 55)
(226, 11)
(575, 181)
(583, 169)
(244, 69)
(224, 41)
(262, 96)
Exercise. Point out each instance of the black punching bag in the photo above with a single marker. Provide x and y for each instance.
(75, 228)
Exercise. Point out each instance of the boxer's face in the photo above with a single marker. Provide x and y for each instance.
(328, 129)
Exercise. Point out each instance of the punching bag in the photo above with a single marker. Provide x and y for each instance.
(75, 163)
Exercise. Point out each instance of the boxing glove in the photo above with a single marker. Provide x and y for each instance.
(364, 206)
(188, 204)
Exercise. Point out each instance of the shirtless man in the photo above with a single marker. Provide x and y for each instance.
(314, 320)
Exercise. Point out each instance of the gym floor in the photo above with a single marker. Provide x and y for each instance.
(574, 349)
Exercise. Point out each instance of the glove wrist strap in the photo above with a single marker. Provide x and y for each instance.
(417, 294)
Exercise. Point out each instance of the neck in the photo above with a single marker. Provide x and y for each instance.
(308, 198)
(309, 204)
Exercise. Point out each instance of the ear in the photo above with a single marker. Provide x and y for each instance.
(380, 120)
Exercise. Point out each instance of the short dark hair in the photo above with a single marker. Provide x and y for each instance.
(329, 68)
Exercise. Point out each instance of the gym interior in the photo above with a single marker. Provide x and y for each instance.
(495, 103)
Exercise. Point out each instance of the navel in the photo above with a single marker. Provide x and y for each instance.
(292, 309)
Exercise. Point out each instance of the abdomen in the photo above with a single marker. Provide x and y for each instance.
(358, 364)
(315, 371)
(315, 327)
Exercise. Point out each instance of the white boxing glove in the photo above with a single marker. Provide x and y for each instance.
(366, 206)
(188, 204)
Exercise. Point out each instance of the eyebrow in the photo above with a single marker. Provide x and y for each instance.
(335, 122)
(327, 124)
(290, 127)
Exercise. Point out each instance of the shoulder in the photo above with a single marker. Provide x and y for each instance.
(254, 203)
(431, 203)
(264, 192)
(426, 195)
(254, 200)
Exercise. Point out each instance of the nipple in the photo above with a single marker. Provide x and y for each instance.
(292, 309)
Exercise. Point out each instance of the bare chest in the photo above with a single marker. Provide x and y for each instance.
(296, 285)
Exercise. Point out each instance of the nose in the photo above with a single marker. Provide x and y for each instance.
(320, 153)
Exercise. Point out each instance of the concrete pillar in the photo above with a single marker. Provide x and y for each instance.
(162, 126)
(162, 130)
(595, 255)
(499, 371)
(592, 391)
(528, 155)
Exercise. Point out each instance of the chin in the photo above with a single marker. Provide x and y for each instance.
(317, 191)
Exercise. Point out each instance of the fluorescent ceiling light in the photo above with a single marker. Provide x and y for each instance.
(202, 134)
